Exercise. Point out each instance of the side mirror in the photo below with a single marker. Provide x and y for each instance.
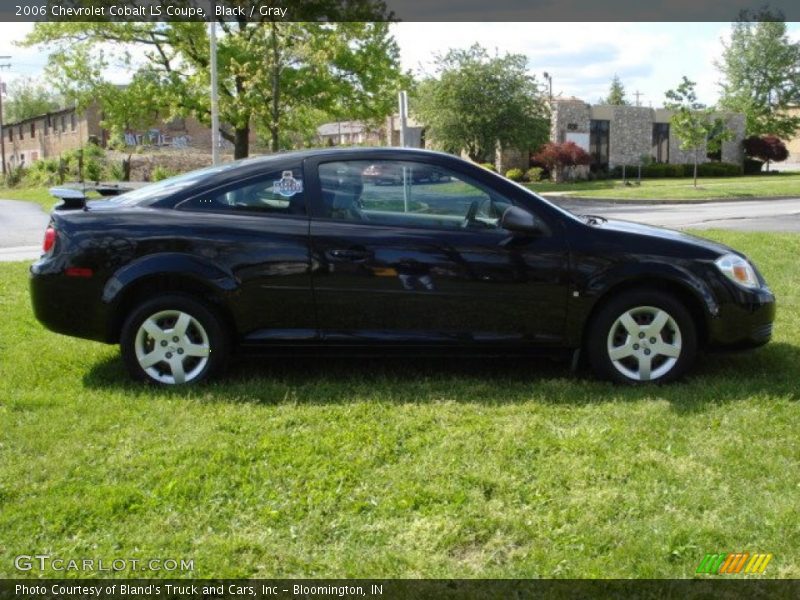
(516, 219)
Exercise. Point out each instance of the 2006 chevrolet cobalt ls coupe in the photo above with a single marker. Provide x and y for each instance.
(309, 250)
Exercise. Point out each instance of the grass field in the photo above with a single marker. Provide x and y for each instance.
(784, 184)
(39, 195)
(412, 468)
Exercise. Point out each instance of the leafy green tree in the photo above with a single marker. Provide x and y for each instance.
(695, 124)
(616, 93)
(477, 102)
(761, 71)
(272, 75)
(28, 98)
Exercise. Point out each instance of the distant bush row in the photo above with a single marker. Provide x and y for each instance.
(710, 169)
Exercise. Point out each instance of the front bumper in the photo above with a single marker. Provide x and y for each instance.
(744, 321)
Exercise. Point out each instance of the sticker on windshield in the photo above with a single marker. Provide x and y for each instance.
(287, 186)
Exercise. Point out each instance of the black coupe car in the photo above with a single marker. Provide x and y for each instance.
(302, 250)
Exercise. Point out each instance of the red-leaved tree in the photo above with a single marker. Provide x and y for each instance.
(767, 148)
(561, 159)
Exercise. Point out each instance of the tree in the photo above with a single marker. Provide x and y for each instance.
(478, 102)
(271, 74)
(694, 123)
(761, 70)
(766, 148)
(28, 98)
(616, 93)
(561, 158)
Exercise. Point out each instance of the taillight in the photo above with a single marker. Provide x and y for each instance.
(49, 239)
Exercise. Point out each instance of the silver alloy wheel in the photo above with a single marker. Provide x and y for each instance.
(172, 347)
(644, 343)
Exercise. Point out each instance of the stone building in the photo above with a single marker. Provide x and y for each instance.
(622, 135)
(792, 145)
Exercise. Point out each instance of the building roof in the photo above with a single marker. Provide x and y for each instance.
(66, 110)
(341, 127)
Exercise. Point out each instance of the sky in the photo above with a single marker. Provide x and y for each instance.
(581, 57)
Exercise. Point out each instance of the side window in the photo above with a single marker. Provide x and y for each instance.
(407, 194)
(279, 192)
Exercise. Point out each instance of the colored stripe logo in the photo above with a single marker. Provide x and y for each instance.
(731, 564)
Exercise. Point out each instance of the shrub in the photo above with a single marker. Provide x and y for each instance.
(489, 166)
(160, 173)
(92, 170)
(14, 175)
(515, 174)
(717, 169)
(116, 171)
(534, 174)
(42, 172)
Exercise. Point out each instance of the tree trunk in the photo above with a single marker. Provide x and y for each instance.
(241, 142)
(276, 89)
(695, 167)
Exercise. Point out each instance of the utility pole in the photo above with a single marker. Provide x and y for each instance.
(402, 100)
(549, 79)
(2, 137)
(638, 94)
(214, 96)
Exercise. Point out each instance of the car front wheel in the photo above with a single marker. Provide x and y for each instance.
(642, 336)
(173, 339)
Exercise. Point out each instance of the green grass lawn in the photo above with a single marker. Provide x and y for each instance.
(39, 195)
(784, 184)
(402, 468)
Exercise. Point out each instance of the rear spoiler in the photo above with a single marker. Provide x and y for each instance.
(74, 198)
(70, 198)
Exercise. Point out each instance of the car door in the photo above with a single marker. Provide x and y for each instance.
(257, 229)
(423, 258)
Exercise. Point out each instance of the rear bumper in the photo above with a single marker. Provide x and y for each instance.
(744, 323)
(68, 305)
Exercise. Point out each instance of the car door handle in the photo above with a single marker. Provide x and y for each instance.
(352, 254)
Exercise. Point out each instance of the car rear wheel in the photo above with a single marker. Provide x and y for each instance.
(172, 340)
(642, 336)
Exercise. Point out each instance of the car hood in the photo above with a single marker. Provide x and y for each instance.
(667, 234)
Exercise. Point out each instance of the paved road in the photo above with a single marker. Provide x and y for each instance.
(22, 224)
(751, 215)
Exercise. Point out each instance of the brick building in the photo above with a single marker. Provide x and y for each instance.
(50, 134)
(622, 135)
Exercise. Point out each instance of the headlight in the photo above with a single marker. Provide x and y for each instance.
(738, 270)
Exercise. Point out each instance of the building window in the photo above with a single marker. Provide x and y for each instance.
(661, 142)
(598, 143)
(47, 125)
(10, 134)
(33, 128)
(20, 133)
(72, 121)
(63, 122)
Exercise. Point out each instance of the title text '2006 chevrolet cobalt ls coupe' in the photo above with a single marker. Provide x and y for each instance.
(309, 250)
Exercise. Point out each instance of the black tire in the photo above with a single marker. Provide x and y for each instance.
(608, 333)
(204, 333)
